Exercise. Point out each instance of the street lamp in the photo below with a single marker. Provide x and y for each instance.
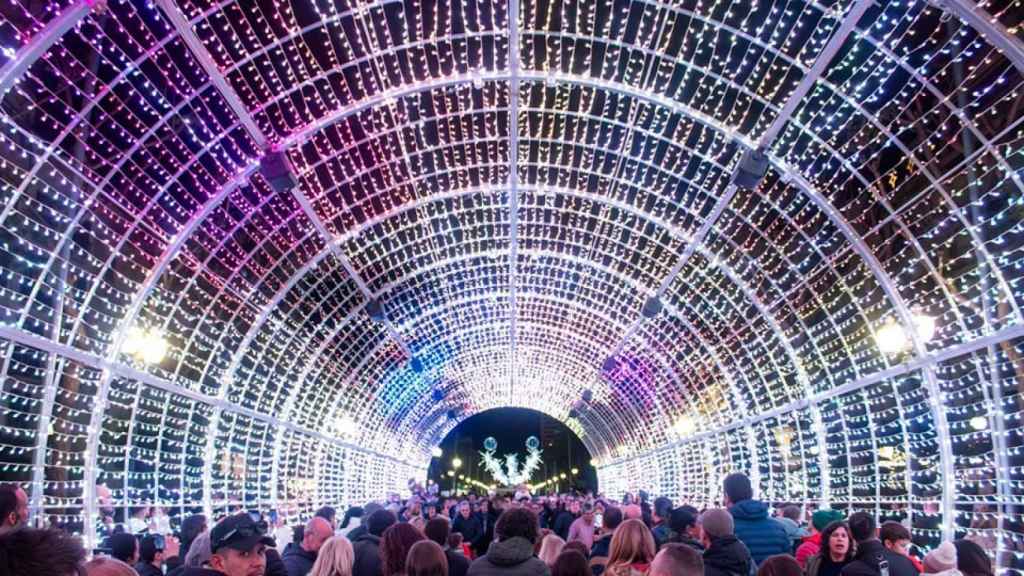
(436, 452)
(456, 463)
(575, 471)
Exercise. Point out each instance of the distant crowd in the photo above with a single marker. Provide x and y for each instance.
(522, 535)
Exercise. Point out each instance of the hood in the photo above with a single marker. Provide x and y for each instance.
(869, 552)
(375, 540)
(729, 555)
(749, 510)
(510, 552)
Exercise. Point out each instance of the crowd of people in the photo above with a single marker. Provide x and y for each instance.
(523, 535)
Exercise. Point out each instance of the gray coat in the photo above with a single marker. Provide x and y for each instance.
(366, 553)
(512, 557)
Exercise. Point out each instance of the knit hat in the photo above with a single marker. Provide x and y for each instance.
(940, 559)
(717, 523)
(822, 518)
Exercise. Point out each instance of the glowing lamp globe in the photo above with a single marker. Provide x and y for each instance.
(436, 452)
(978, 423)
(891, 338)
(490, 444)
(532, 443)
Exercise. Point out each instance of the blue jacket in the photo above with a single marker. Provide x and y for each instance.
(762, 535)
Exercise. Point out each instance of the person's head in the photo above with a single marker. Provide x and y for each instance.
(550, 547)
(317, 531)
(151, 549)
(611, 519)
(574, 507)
(714, 524)
(437, 530)
(862, 526)
(737, 488)
(13, 507)
(677, 560)
(517, 523)
(327, 513)
(380, 521)
(395, 545)
(837, 543)
(971, 559)
(455, 540)
(822, 518)
(941, 559)
(140, 512)
(485, 505)
(632, 512)
(571, 563)
(238, 546)
(577, 546)
(780, 565)
(40, 553)
(587, 513)
(792, 512)
(464, 509)
(632, 543)
(662, 509)
(895, 537)
(191, 527)
(683, 521)
(104, 566)
(199, 552)
(334, 558)
(426, 558)
(124, 547)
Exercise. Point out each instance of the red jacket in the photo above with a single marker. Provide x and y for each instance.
(810, 546)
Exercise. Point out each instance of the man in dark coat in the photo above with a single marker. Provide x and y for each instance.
(871, 552)
(468, 524)
(603, 543)
(298, 559)
(764, 536)
(366, 548)
(565, 518)
(438, 529)
(512, 554)
(724, 554)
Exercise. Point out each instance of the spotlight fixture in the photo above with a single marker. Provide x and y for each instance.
(147, 345)
(892, 338)
(437, 395)
(685, 425)
(610, 365)
(277, 170)
(652, 307)
(751, 169)
(436, 452)
(375, 310)
(978, 423)
(416, 365)
(588, 395)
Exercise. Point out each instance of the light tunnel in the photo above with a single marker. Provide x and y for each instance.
(268, 253)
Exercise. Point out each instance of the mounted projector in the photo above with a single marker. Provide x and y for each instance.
(452, 414)
(652, 307)
(588, 395)
(573, 413)
(277, 170)
(416, 365)
(375, 310)
(437, 395)
(610, 365)
(751, 169)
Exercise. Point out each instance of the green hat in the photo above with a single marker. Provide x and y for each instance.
(822, 518)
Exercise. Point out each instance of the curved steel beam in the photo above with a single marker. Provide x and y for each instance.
(54, 30)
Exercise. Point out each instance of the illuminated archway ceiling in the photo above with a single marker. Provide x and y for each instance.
(511, 220)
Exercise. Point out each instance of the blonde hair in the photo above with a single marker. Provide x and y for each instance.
(632, 543)
(106, 566)
(334, 558)
(550, 548)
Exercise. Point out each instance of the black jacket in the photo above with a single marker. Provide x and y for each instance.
(366, 554)
(297, 561)
(512, 557)
(275, 565)
(471, 529)
(727, 556)
(562, 523)
(147, 569)
(599, 554)
(458, 564)
(869, 552)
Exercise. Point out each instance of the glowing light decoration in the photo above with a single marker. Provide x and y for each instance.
(892, 338)
(512, 474)
(146, 345)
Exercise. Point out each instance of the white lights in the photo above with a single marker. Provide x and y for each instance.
(891, 338)
(456, 463)
(146, 345)
(345, 426)
(978, 423)
(685, 425)
(436, 452)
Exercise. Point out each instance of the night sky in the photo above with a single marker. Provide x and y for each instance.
(562, 449)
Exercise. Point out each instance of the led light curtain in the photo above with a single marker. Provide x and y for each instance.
(479, 200)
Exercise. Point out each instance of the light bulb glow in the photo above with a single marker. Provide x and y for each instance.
(978, 423)
(436, 452)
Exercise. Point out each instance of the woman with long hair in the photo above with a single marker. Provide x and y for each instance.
(426, 558)
(550, 547)
(632, 549)
(394, 547)
(334, 558)
(837, 550)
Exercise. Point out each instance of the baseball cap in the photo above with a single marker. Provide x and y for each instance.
(239, 532)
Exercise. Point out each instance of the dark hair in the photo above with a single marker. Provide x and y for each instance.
(148, 549)
(122, 547)
(792, 512)
(327, 513)
(971, 559)
(577, 546)
(437, 530)
(8, 500)
(379, 522)
(40, 552)
(780, 565)
(662, 507)
(862, 526)
(682, 560)
(612, 518)
(426, 558)
(826, 556)
(893, 532)
(191, 527)
(682, 518)
(352, 512)
(571, 563)
(517, 522)
(299, 533)
(737, 487)
(395, 545)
